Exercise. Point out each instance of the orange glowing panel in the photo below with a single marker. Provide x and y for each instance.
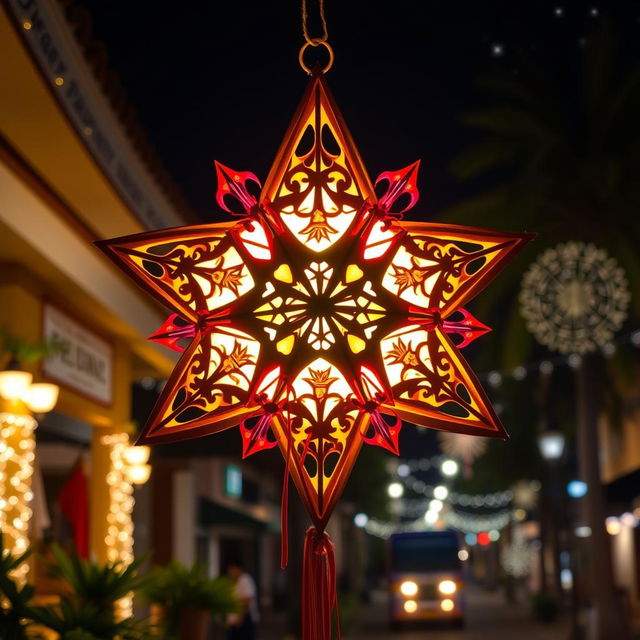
(318, 183)
(320, 318)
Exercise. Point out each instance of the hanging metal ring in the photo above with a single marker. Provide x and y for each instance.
(315, 42)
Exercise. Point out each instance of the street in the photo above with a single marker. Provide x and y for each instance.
(488, 616)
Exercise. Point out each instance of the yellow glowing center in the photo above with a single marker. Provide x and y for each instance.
(313, 308)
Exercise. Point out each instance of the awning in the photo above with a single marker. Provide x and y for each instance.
(213, 514)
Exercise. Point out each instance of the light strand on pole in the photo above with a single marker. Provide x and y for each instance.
(119, 538)
(17, 444)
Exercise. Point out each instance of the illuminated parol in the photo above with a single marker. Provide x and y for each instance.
(320, 319)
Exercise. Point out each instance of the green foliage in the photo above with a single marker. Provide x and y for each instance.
(87, 612)
(178, 588)
(15, 610)
(77, 620)
(24, 351)
(96, 583)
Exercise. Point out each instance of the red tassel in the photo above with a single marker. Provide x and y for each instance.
(319, 597)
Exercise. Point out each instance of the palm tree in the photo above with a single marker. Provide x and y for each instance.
(567, 167)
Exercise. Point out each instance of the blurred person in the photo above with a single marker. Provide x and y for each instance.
(242, 625)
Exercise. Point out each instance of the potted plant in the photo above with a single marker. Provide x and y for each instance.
(88, 610)
(189, 600)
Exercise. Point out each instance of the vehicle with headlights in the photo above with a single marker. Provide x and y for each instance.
(425, 577)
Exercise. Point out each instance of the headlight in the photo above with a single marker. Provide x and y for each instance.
(409, 588)
(410, 606)
(447, 587)
(447, 605)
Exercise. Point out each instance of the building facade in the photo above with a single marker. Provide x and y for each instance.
(71, 173)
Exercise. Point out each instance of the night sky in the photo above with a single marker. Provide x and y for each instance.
(220, 80)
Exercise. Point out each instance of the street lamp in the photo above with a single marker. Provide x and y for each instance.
(14, 383)
(137, 470)
(18, 386)
(41, 397)
(551, 444)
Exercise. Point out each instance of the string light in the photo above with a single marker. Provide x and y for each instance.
(431, 517)
(494, 379)
(471, 523)
(125, 460)
(519, 373)
(17, 443)
(613, 525)
(628, 519)
(575, 360)
(403, 470)
(395, 490)
(497, 499)
(360, 520)
(449, 468)
(441, 492)
(572, 360)
(546, 367)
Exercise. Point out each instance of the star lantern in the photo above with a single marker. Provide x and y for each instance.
(319, 320)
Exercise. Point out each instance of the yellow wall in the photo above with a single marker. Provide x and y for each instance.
(21, 314)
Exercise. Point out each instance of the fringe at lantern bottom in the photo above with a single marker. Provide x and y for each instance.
(319, 597)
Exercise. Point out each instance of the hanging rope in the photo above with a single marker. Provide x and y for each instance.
(314, 42)
(317, 41)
